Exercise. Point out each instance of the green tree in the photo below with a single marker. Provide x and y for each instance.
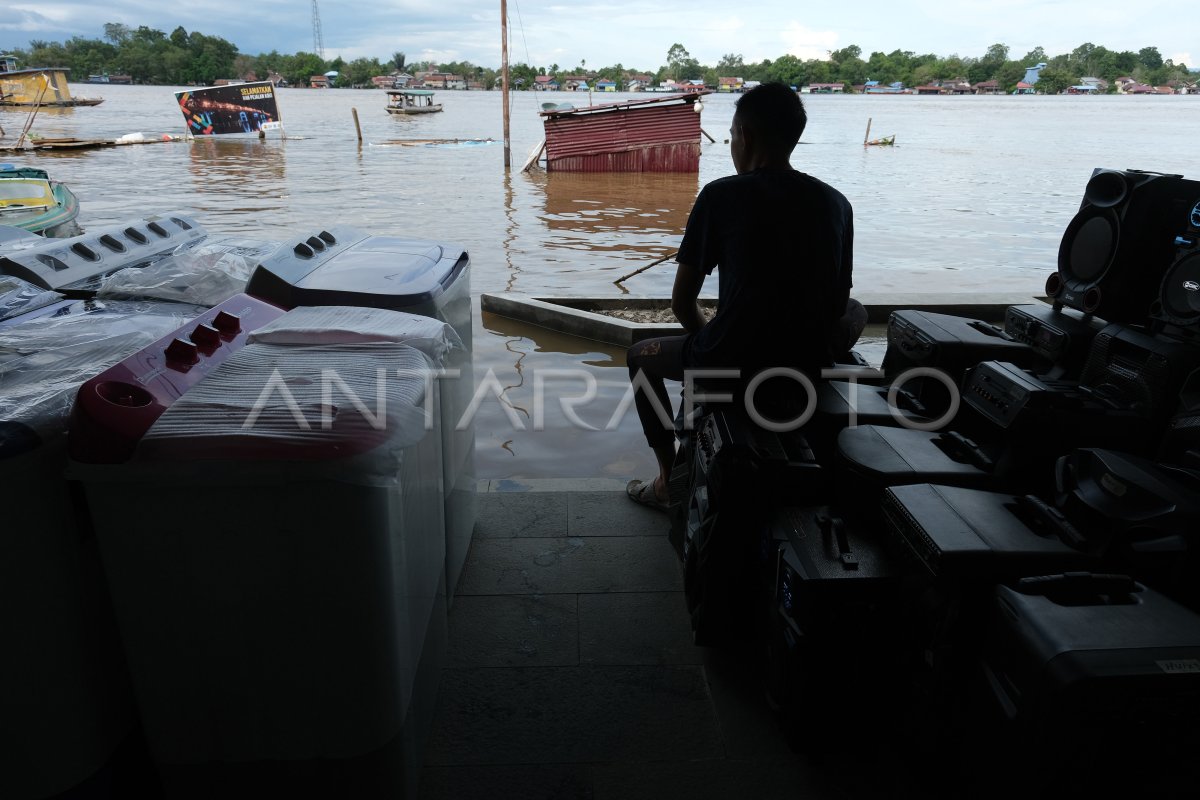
(730, 65)
(1150, 58)
(1035, 56)
(399, 60)
(360, 71)
(1053, 80)
(522, 76)
(881, 68)
(302, 67)
(787, 69)
(1009, 75)
(117, 33)
(677, 59)
(848, 65)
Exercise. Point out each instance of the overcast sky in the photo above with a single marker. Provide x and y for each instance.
(636, 35)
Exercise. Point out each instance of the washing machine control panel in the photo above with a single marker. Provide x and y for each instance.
(115, 409)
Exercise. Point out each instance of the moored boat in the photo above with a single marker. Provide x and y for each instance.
(31, 201)
(660, 134)
(411, 101)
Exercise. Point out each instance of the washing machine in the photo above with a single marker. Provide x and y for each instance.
(270, 520)
(64, 686)
(343, 266)
(77, 266)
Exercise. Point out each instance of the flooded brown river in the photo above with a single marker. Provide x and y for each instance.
(974, 197)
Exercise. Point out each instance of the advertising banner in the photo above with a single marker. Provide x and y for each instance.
(239, 108)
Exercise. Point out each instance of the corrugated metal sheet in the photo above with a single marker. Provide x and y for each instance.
(646, 138)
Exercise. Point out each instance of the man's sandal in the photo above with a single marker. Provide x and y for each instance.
(642, 493)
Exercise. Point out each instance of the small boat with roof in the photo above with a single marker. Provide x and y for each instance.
(411, 101)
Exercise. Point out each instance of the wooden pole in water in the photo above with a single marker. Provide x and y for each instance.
(504, 80)
(33, 114)
(639, 270)
(867, 135)
(357, 127)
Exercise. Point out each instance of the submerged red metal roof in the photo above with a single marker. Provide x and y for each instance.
(659, 134)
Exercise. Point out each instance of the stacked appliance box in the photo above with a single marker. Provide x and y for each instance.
(1092, 683)
(342, 266)
(63, 683)
(269, 514)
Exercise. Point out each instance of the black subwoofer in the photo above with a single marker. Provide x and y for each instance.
(1116, 250)
(1179, 296)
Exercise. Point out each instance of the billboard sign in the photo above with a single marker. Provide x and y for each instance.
(239, 108)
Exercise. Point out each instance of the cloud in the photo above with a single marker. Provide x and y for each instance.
(805, 43)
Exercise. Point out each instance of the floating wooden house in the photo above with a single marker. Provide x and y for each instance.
(660, 134)
(44, 86)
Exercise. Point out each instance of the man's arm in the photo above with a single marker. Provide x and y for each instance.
(688, 280)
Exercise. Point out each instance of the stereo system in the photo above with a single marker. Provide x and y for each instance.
(1061, 336)
(1179, 296)
(970, 533)
(1139, 371)
(950, 344)
(1116, 250)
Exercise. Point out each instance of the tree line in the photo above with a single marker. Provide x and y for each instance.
(182, 58)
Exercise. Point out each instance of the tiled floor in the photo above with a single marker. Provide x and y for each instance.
(571, 670)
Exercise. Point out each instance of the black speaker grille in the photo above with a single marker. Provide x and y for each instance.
(1181, 290)
(1092, 248)
(1182, 435)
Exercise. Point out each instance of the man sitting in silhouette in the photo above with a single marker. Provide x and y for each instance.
(782, 242)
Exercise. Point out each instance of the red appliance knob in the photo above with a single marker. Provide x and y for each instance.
(182, 351)
(227, 323)
(206, 335)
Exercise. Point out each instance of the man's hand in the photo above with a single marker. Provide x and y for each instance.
(688, 280)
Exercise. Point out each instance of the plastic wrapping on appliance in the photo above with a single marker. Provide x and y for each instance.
(205, 274)
(320, 324)
(45, 360)
(339, 411)
(20, 297)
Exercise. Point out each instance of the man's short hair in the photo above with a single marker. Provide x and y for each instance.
(775, 113)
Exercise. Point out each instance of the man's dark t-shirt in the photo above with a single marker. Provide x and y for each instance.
(783, 245)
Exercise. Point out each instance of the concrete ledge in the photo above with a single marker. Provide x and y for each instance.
(551, 485)
(578, 315)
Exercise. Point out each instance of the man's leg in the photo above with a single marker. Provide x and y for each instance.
(657, 360)
(849, 327)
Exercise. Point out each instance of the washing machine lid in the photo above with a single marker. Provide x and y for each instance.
(80, 262)
(342, 266)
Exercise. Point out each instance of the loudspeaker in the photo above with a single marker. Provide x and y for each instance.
(1115, 251)
(1179, 296)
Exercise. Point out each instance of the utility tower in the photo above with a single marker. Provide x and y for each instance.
(318, 44)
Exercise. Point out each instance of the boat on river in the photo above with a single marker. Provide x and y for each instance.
(411, 101)
(657, 134)
(39, 86)
(31, 201)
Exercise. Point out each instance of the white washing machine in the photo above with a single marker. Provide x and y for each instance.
(342, 266)
(64, 688)
(274, 544)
